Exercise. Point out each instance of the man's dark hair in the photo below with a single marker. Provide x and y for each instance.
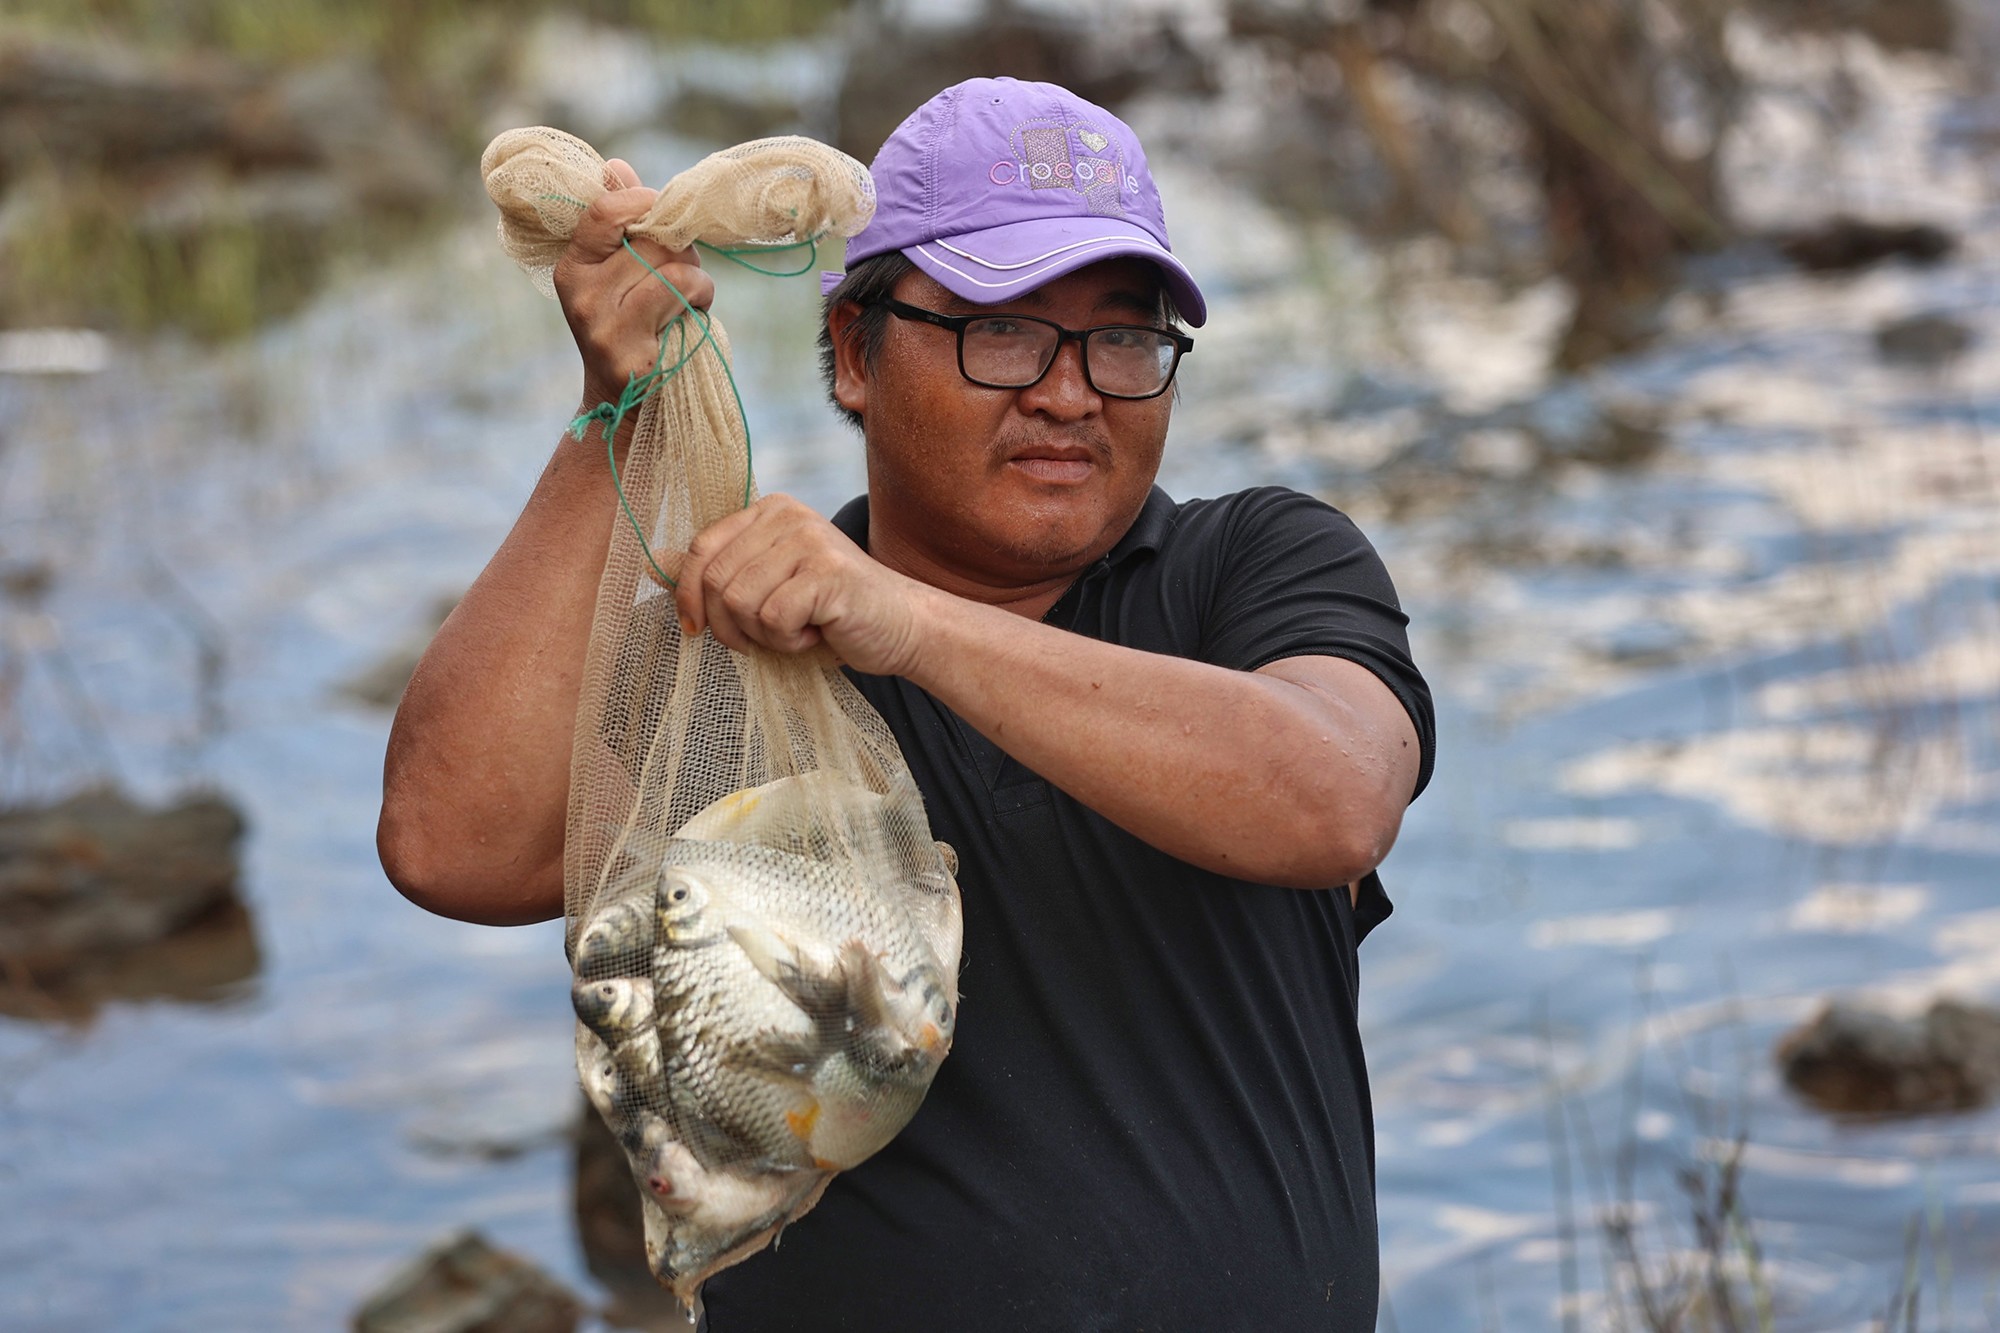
(866, 283)
(875, 278)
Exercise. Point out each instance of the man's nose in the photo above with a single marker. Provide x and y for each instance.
(1064, 393)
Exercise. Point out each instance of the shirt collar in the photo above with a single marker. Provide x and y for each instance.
(1147, 533)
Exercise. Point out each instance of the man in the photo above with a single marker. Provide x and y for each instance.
(1170, 742)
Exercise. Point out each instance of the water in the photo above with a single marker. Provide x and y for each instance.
(1718, 738)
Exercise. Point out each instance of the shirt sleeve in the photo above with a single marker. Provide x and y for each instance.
(1293, 577)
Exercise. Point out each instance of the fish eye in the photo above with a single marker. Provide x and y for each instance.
(679, 894)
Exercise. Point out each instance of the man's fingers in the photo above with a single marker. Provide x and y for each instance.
(779, 576)
(648, 294)
(739, 617)
(747, 589)
(707, 545)
(600, 232)
(619, 175)
(787, 616)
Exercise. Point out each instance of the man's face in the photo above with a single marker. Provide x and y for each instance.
(1005, 486)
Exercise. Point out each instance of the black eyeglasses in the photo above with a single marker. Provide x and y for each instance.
(1015, 351)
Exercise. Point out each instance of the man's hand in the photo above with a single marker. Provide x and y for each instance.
(615, 308)
(778, 575)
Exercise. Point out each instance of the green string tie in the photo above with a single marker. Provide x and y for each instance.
(674, 338)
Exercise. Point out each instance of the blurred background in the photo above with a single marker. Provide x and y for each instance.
(1656, 343)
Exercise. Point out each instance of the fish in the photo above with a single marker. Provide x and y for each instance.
(876, 1043)
(614, 1008)
(618, 939)
(763, 999)
(599, 1075)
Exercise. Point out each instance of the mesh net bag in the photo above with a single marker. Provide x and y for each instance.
(764, 936)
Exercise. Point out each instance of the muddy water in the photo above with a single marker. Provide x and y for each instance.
(1718, 715)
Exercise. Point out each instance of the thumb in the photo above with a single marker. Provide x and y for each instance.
(619, 175)
(601, 230)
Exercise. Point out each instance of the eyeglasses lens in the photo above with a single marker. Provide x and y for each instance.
(1123, 362)
(1008, 352)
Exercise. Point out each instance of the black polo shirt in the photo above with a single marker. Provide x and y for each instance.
(1155, 1114)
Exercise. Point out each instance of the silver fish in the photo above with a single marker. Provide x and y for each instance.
(614, 1008)
(617, 940)
(599, 1075)
(876, 1041)
(686, 1205)
(799, 1010)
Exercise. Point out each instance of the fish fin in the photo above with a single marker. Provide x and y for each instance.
(801, 1123)
(812, 982)
(869, 986)
(719, 821)
(786, 1055)
(881, 1003)
(768, 951)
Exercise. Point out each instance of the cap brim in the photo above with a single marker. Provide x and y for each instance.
(1000, 263)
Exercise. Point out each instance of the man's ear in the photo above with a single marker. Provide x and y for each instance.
(850, 370)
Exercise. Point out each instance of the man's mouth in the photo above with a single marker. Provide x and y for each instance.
(1056, 463)
(1054, 469)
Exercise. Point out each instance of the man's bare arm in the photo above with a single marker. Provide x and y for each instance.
(1295, 775)
(476, 783)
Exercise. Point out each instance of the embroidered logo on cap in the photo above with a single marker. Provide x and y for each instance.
(1044, 160)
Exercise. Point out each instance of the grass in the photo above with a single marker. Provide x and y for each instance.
(400, 36)
(76, 254)
(76, 259)
(1701, 1266)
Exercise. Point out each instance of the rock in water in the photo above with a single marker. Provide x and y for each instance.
(1853, 1060)
(1930, 341)
(99, 896)
(1845, 243)
(464, 1285)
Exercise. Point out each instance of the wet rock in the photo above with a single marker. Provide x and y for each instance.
(1845, 243)
(27, 581)
(1926, 341)
(611, 1234)
(464, 1285)
(1853, 1060)
(100, 898)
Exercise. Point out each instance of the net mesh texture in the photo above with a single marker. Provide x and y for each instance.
(764, 936)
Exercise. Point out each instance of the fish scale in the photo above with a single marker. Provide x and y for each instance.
(788, 1020)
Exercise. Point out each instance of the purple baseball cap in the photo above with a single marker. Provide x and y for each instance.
(996, 186)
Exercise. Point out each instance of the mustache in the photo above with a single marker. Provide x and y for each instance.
(1094, 441)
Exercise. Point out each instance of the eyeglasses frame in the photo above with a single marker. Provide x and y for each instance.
(1183, 344)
